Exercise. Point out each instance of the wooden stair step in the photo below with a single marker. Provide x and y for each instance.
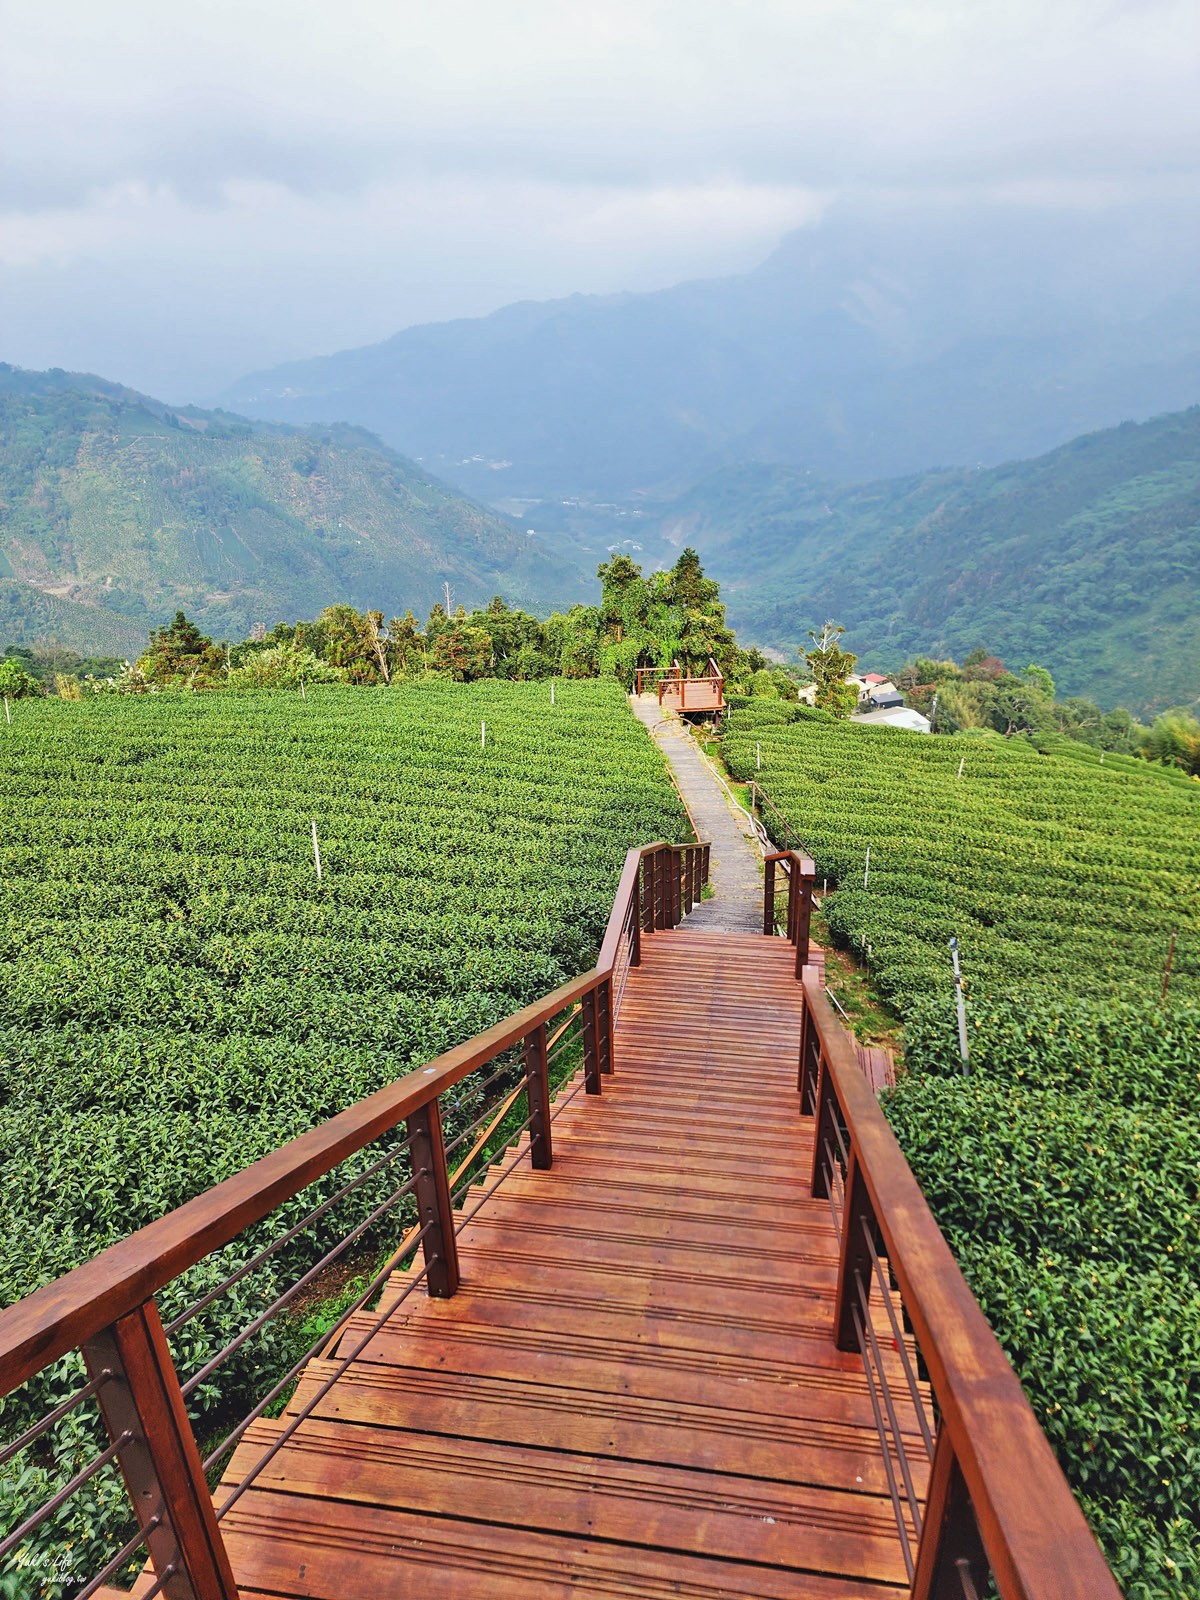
(652, 1507)
(822, 1453)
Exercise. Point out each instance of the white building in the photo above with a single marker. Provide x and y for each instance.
(894, 717)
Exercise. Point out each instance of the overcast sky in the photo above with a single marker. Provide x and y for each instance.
(191, 192)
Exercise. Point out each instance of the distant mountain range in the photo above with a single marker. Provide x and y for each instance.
(859, 350)
(1086, 560)
(116, 510)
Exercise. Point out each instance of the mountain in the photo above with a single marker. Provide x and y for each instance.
(863, 348)
(1085, 560)
(116, 510)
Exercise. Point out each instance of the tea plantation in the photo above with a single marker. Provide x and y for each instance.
(1065, 1169)
(180, 993)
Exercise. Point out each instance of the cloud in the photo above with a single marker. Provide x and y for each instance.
(345, 170)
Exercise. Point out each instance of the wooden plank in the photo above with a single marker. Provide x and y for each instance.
(657, 1508)
(631, 1427)
(306, 1546)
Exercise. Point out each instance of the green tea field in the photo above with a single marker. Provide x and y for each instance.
(1065, 1168)
(180, 992)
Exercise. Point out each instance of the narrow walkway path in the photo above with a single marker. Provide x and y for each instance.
(735, 871)
(635, 1391)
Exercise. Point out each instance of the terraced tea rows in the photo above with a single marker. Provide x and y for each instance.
(1055, 871)
(180, 993)
(1063, 1170)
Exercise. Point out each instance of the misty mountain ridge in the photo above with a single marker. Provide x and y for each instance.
(116, 510)
(1086, 560)
(860, 349)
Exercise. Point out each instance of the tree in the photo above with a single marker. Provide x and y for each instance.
(1175, 740)
(15, 682)
(830, 666)
(180, 656)
(461, 650)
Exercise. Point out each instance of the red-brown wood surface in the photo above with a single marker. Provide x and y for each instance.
(1032, 1527)
(635, 1390)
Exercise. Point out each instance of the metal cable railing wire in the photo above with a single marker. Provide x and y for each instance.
(35, 1518)
(465, 1188)
(867, 1326)
(341, 1367)
(290, 1294)
(565, 1037)
(488, 1110)
(833, 1174)
(265, 1254)
(32, 1434)
(406, 1246)
(124, 1554)
(893, 1489)
(900, 1341)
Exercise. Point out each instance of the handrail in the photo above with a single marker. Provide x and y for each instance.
(107, 1308)
(994, 1477)
(64, 1314)
(801, 873)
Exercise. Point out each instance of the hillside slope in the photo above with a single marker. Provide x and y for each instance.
(115, 510)
(1086, 560)
(859, 349)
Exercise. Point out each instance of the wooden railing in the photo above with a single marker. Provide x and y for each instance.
(671, 683)
(107, 1309)
(649, 678)
(997, 1502)
(800, 873)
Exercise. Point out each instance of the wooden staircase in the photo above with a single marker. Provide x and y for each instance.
(634, 1391)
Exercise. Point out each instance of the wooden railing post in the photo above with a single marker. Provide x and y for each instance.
(160, 1461)
(769, 897)
(434, 1206)
(591, 1042)
(950, 1547)
(635, 925)
(810, 1062)
(804, 900)
(854, 1259)
(604, 1023)
(537, 1087)
(823, 1131)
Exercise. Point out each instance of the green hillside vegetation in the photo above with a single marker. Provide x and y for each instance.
(116, 510)
(181, 993)
(641, 621)
(1087, 560)
(1063, 1169)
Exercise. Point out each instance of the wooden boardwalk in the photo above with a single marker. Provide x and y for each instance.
(636, 1389)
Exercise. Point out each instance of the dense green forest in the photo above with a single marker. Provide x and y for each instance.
(1087, 559)
(116, 510)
